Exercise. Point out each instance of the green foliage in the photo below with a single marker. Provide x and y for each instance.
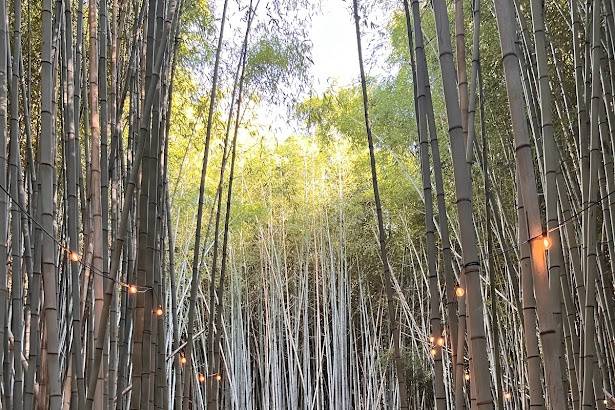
(295, 184)
(418, 372)
(277, 65)
(302, 179)
(196, 47)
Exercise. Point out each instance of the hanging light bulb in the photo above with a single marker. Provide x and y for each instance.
(507, 396)
(132, 289)
(74, 256)
(183, 360)
(218, 377)
(441, 341)
(466, 376)
(434, 352)
(431, 339)
(546, 242)
(459, 291)
(201, 378)
(159, 312)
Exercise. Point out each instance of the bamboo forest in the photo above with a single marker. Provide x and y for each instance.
(307, 204)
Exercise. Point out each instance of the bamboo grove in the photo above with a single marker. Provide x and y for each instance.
(155, 253)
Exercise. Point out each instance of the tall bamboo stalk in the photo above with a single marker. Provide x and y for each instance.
(4, 185)
(393, 322)
(463, 190)
(527, 188)
(46, 176)
(188, 375)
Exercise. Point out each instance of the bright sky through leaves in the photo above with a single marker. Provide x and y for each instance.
(334, 46)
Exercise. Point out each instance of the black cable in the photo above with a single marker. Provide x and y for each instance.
(564, 222)
(66, 249)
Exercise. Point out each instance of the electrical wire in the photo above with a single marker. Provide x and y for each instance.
(74, 256)
(555, 228)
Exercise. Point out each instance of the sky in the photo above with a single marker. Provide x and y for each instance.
(334, 46)
(334, 57)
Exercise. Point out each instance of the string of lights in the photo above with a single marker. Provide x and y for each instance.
(74, 256)
(544, 235)
(201, 375)
(460, 291)
(132, 289)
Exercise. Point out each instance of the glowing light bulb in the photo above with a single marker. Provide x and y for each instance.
(74, 256)
(605, 401)
(434, 352)
(132, 289)
(183, 360)
(546, 242)
(441, 341)
(201, 378)
(218, 377)
(466, 376)
(159, 311)
(431, 339)
(507, 396)
(459, 291)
